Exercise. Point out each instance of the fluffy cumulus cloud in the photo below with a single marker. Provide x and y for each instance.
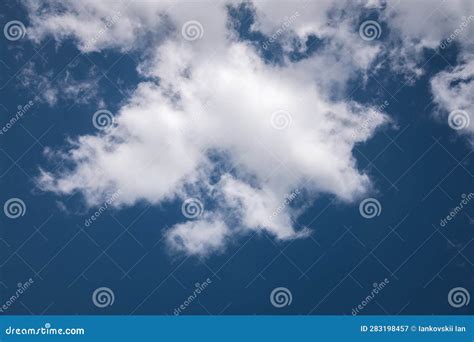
(213, 120)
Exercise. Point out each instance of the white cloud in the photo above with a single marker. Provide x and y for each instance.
(199, 237)
(216, 97)
(65, 86)
(125, 25)
(335, 26)
(95, 26)
(425, 23)
(453, 90)
(418, 25)
(258, 208)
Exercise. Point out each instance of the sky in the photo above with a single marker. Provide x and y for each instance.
(236, 157)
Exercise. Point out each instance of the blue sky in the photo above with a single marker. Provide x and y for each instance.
(273, 122)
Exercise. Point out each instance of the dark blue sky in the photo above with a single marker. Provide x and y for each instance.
(420, 169)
